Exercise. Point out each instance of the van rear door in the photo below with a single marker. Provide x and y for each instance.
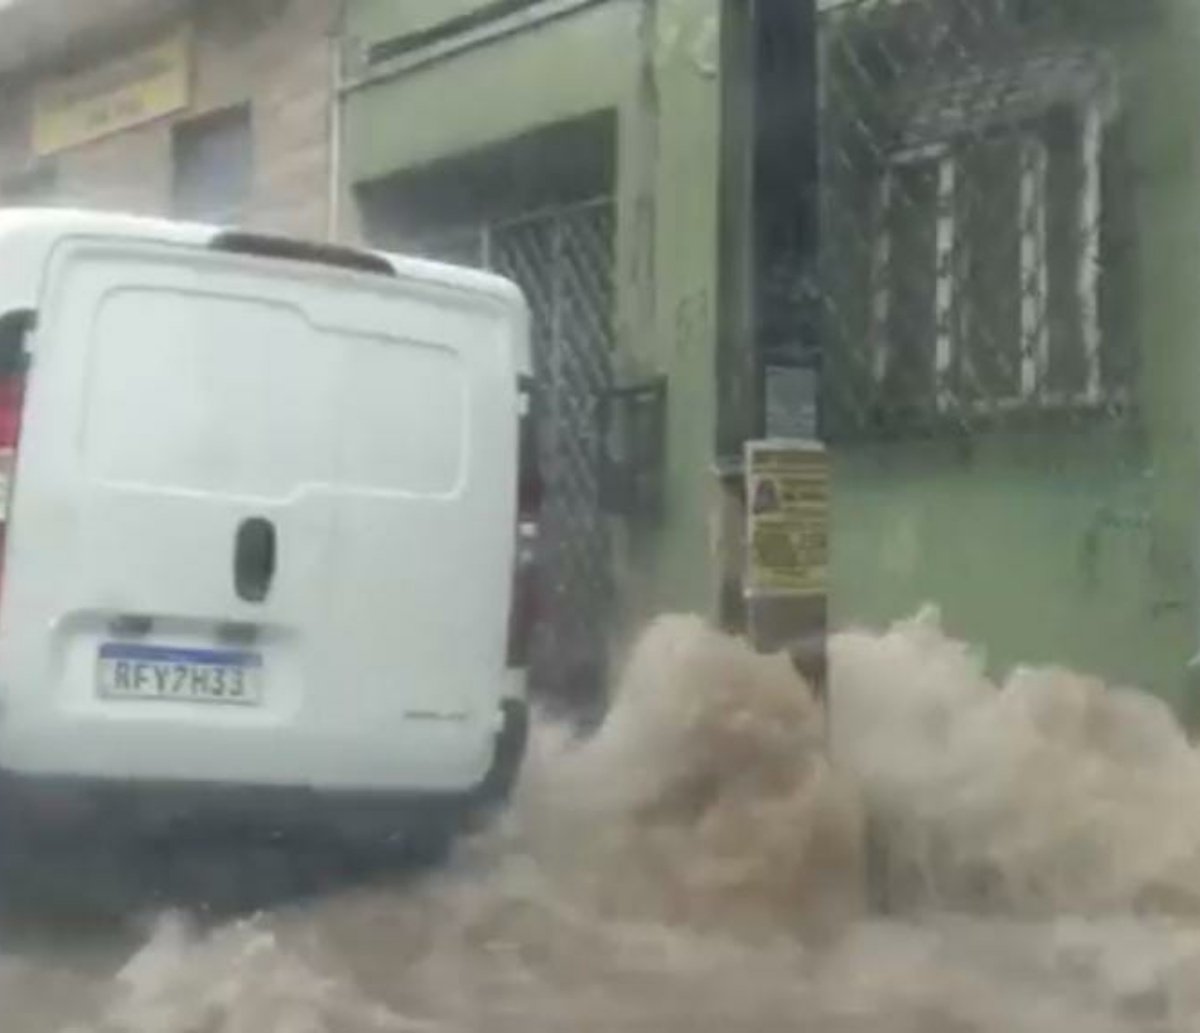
(263, 531)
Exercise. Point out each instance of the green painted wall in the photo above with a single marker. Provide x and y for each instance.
(679, 559)
(1075, 547)
(584, 62)
(1168, 144)
(1071, 547)
(656, 65)
(564, 68)
(1036, 546)
(374, 20)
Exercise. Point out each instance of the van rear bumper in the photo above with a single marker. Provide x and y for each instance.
(114, 849)
(42, 809)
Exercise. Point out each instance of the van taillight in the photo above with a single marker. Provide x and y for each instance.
(522, 617)
(12, 401)
(529, 472)
(523, 612)
(14, 359)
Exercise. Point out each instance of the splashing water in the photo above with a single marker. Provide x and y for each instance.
(702, 862)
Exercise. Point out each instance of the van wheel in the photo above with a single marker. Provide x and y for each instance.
(20, 888)
(51, 881)
(511, 744)
(431, 844)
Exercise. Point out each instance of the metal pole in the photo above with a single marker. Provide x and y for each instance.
(785, 476)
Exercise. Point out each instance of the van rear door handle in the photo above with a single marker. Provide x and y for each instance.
(254, 557)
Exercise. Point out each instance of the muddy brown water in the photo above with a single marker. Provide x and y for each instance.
(700, 864)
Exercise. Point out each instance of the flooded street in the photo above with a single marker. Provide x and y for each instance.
(359, 360)
(699, 864)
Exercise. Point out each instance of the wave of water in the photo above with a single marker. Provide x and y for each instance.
(703, 862)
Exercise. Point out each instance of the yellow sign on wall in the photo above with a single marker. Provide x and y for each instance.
(787, 518)
(137, 87)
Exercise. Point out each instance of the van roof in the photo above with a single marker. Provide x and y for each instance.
(28, 235)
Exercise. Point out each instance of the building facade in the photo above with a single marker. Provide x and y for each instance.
(998, 292)
(1007, 265)
(218, 110)
(1002, 302)
(575, 146)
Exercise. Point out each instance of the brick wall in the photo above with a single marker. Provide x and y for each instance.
(275, 55)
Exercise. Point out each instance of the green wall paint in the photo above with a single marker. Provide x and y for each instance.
(562, 69)
(685, 61)
(1073, 547)
(1168, 147)
(373, 21)
(1035, 546)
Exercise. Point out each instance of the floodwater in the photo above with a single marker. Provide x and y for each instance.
(1032, 851)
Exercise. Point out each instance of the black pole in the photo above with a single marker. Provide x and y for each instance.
(786, 216)
(787, 318)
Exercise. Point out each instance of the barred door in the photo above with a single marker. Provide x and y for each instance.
(563, 260)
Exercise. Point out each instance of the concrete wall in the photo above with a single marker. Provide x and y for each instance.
(278, 59)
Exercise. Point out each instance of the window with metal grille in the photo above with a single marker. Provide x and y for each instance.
(986, 272)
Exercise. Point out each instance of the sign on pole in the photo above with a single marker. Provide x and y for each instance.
(786, 579)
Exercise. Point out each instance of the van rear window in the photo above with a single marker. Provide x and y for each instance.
(234, 395)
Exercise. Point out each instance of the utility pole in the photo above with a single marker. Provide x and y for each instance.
(769, 445)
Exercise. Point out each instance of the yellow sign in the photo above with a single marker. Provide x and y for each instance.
(787, 512)
(135, 88)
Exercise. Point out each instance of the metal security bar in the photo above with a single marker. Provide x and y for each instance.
(974, 266)
(563, 260)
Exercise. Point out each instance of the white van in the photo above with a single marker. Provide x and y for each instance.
(261, 530)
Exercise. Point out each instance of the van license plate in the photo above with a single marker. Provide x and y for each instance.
(183, 675)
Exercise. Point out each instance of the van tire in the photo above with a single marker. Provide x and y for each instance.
(55, 882)
(511, 744)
